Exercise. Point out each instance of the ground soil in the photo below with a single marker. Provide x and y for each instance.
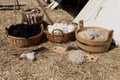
(50, 65)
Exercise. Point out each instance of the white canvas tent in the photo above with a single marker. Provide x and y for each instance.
(102, 13)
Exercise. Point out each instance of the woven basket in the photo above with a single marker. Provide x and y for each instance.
(93, 45)
(23, 42)
(62, 37)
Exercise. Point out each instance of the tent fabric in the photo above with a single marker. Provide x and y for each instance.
(86, 11)
(102, 13)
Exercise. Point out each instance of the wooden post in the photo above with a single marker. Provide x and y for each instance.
(16, 2)
(14, 5)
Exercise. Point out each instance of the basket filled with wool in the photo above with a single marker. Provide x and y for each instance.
(24, 35)
(93, 39)
(60, 32)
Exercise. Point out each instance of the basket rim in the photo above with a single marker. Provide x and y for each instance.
(26, 38)
(46, 31)
(92, 41)
(62, 21)
(42, 31)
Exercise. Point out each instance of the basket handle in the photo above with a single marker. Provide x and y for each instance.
(6, 31)
(42, 27)
(110, 34)
(80, 25)
(53, 32)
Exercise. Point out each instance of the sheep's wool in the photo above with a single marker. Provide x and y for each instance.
(65, 28)
(94, 34)
(76, 56)
(30, 56)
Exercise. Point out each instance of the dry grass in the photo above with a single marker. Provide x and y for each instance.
(52, 66)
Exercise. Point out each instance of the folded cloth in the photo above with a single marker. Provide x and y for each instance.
(54, 4)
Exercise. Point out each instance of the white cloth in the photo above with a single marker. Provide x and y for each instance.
(108, 17)
(102, 13)
(54, 4)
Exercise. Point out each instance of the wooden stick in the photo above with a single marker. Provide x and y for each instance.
(14, 5)
(33, 20)
(51, 22)
(16, 2)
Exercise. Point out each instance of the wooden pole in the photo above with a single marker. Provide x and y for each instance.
(51, 22)
(16, 2)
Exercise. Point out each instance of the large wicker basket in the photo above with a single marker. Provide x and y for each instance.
(60, 38)
(93, 45)
(23, 42)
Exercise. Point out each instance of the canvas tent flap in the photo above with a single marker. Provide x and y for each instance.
(84, 12)
(103, 13)
(91, 9)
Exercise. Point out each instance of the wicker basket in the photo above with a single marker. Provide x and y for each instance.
(23, 42)
(93, 45)
(62, 37)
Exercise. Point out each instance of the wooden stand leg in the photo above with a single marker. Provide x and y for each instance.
(18, 4)
(14, 1)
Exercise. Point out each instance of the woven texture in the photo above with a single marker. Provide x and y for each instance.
(23, 42)
(62, 37)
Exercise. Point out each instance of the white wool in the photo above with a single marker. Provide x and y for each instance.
(64, 27)
(23, 56)
(54, 4)
(30, 56)
(76, 56)
(94, 34)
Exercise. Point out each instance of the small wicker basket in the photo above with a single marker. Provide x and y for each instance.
(93, 45)
(62, 37)
(23, 42)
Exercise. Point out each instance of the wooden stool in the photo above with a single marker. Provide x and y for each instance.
(32, 16)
